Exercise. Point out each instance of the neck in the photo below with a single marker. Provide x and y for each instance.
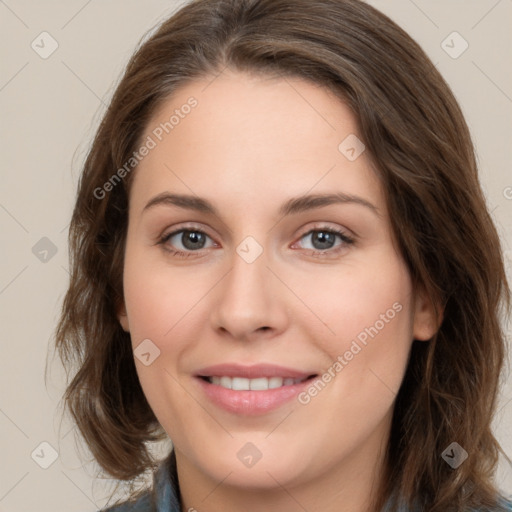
(349, 485)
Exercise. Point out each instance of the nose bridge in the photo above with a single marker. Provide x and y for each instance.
(247, 299)
(247, 282)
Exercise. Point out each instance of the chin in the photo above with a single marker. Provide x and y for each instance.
(258, 469)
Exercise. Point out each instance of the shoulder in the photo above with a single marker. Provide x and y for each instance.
(505, 505)
(164, 494)
(143, 504)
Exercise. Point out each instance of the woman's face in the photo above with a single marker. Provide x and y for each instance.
(286, 270)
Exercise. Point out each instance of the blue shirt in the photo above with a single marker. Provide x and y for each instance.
(164, 497)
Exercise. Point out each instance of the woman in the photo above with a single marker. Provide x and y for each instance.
(283, 261)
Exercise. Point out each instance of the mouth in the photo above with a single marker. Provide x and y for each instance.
(256, 384)
(252, 390)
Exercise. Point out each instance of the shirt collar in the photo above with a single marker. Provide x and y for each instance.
(167, 491)
(166, 486)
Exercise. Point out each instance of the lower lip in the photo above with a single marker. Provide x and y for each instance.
(250, 403)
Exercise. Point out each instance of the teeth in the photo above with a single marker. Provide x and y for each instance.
(258, 384)
(275, 382)
(225, 382)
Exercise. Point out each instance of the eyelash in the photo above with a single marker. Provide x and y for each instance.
(347, 240)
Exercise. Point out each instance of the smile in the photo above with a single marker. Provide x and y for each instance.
(251, 390)
(257, 384)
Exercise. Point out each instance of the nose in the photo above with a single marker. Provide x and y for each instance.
(249, 302)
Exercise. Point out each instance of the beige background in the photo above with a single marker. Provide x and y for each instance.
(49, 110)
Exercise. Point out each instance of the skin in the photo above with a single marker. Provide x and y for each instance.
(251, 144)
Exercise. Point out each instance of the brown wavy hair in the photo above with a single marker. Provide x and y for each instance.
(422, 151)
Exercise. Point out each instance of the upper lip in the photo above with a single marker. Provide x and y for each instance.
(252, 371)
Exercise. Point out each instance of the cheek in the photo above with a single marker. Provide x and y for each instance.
(369, 312)
(158, 299)
(368, 315)
(160, 309)
(166, 306)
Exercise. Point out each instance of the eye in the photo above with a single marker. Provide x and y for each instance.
(184, 242)
(323, 240)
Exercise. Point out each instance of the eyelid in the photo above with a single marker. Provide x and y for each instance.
(347, 238)
(327, 226)
(187, 226)
(164, 238)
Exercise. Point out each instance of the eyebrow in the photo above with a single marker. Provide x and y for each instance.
(292, 206)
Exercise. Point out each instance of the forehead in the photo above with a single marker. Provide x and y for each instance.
(244, 134)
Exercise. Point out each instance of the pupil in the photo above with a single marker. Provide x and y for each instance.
(191, 239)
(324, 238)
